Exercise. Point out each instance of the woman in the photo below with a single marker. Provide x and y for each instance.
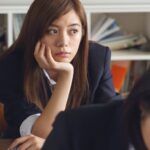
(53, 67)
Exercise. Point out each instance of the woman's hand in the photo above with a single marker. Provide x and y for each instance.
(46, 61)
(29, 142)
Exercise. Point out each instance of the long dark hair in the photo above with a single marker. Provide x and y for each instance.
(139, 95)
(37, 20)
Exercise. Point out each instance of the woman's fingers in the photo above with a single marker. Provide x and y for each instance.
(33, 148)
(26, 145)
(49, 57)
(39, 55)
(27, 142)
(37, 48)
(18, 141)
(44, 56)
(37, 143)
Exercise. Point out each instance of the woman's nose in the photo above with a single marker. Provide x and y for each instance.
(62, 40)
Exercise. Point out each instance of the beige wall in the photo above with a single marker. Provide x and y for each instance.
(26, 2)
(15, 2)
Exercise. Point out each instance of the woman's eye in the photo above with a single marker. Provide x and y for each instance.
(52, 31)
(74, 31)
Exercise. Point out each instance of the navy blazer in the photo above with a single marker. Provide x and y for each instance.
(11, 85)
(94, 127)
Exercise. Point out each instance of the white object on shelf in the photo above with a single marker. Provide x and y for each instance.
(130, 55)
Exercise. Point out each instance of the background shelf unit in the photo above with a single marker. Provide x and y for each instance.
(132, 17)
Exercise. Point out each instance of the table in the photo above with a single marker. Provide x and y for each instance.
(4, 143)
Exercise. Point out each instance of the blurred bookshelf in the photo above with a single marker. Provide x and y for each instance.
(128, 16)
(131, 52)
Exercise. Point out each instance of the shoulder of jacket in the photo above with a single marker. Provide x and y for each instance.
(10, 59)
(96, 46)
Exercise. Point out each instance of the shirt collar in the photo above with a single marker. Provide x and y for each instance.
(51, 81)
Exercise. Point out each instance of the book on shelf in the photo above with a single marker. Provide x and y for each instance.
(98, 25)
(119, 71)
(138, 68)
(108, 33)
(124, 41)
(102, 30)
(134, 72)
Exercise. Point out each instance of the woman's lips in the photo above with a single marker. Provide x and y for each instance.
(62, 54)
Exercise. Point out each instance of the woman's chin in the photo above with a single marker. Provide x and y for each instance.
(65, 60)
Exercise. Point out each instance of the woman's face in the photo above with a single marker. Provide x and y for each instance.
(63, 37)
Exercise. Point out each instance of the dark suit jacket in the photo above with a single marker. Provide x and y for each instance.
(97, 127)
(11, 85)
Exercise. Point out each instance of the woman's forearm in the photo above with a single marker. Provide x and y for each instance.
(43, 125)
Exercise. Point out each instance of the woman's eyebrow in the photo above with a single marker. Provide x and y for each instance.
(75, 24)
(71, 25)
